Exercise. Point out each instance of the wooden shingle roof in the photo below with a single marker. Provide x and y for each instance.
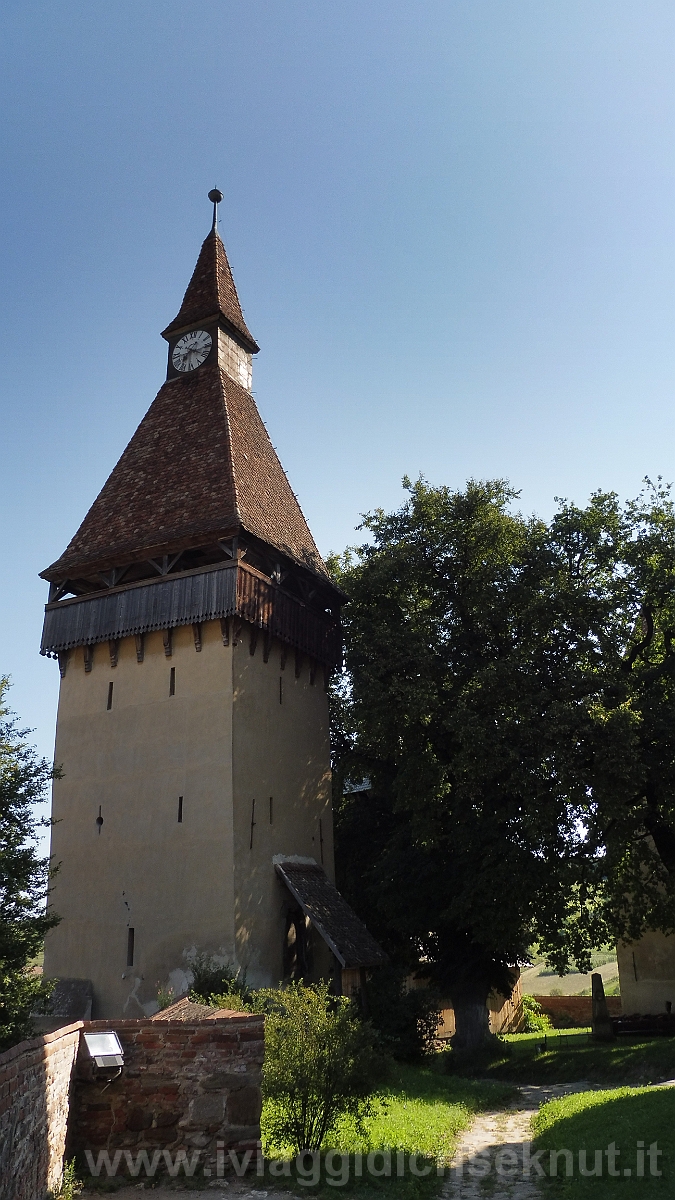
(200, 466)
(211, 292)
(333, 918)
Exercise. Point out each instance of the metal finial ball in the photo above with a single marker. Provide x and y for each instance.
(215, 196)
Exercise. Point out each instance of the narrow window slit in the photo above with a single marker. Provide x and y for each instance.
(180, 810)
(131, 934)
(110, 696)
(172, 682)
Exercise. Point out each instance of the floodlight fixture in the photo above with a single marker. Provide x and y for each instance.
(105, 1049)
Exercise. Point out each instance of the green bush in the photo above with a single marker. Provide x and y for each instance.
(535, 1019)
(213, 979)
(562, 1021)
(407, 1021)
(321, 1064)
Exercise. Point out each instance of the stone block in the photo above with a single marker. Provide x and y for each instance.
(244, 1106)
(206, 1110)
(225, 1081)
(138, 1119)
(166, 1118)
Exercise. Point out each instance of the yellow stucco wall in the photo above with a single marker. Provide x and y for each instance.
(221, 741)
(647, 973)
(279, 750)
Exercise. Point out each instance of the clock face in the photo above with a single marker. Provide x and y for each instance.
(191, 350)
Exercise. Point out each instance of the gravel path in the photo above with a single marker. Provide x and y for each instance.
(493, 1157)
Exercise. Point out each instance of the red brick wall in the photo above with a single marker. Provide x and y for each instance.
(183, 1087)
(34, 1087)
(577, 1008)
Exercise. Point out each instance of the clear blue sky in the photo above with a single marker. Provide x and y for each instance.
(451, 226)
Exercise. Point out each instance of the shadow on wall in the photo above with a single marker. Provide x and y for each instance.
(35, 1079)
(185, 1087)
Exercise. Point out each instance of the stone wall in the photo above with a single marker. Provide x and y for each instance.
(184, 1087)
(35, 1081)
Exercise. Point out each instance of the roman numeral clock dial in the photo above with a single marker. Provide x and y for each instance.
(191, 350)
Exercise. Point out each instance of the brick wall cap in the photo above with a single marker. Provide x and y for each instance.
(38, 1043)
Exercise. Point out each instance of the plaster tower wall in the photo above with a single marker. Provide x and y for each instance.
(221, 741)
(195, 626)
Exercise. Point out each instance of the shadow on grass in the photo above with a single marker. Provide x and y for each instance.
(624, 1120)
(626, 1061)
(431, 1084)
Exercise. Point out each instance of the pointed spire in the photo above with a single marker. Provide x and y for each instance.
(200, 466)
(211, 291)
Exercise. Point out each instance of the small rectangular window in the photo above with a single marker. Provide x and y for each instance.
(172, 682)
(180, 810)
(130, 947)
(110, 692)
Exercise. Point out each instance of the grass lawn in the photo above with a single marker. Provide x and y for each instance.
(420, 1111)
(567, 1057)
(591, 1121)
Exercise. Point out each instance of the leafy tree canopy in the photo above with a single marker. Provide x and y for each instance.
(24, 876)
(510, 693)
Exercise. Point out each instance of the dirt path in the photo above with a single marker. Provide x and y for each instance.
(494, 1155)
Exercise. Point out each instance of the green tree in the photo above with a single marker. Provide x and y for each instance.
(625, 562)
(509, 692)
(24, 877)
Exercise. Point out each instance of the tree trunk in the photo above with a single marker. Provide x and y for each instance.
(472, 1022)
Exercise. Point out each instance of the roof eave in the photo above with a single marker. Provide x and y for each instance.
(241, 335)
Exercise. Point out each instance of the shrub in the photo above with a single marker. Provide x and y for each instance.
(165, 997)
(535, 1019)
(212, 978)
(562, 1021)
(71, 1186)
(406, 1020)
(238, 1001)
(321, 1063)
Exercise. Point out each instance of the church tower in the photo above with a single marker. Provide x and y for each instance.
(195, 627)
